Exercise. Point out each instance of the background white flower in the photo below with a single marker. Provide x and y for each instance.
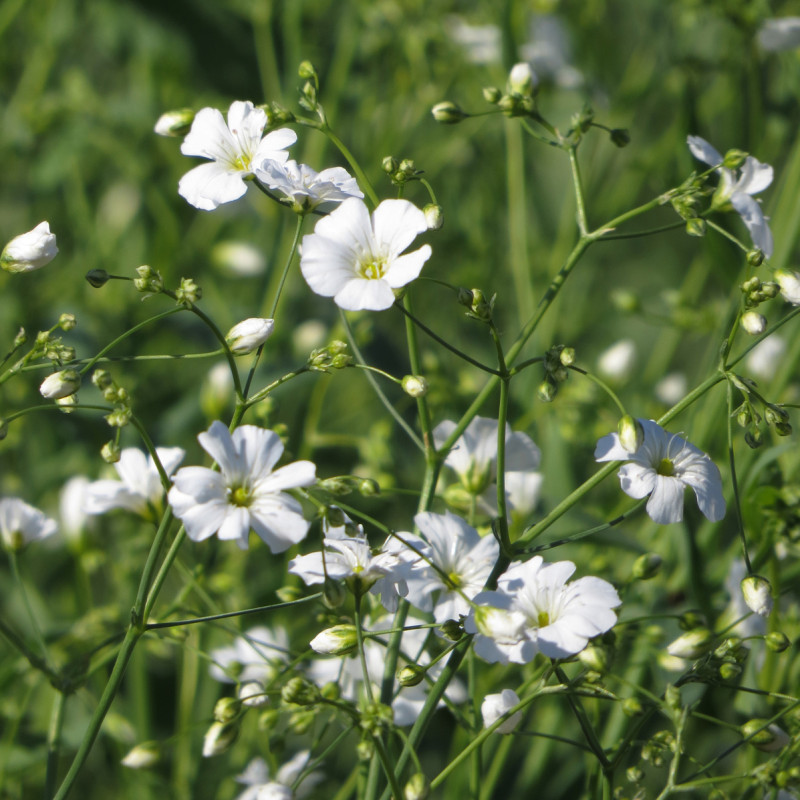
(259, 786)
(305, 189)
(495, 706)
(245, 493)
(139, 488)
(235, 149)
(254, 657)
(753, 178)
(21, 523)
(663, 467)
(357, 260)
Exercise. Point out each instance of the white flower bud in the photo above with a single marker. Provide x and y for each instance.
(219, 737)
(754, 323)
(142, 756)
(434, 217)
(252, 694)
(60, 384)
(521, 79)
(175, 123)
(692, 644)
(448, 113)
(790, 285)
(495, 706)
(757, 594)
(415, 386)
(336, 641)
(631, 433)
(249, 334)
(30, 250)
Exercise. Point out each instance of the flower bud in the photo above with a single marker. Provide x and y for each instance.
(452, 629)
(67, 322)
(60, 384)
(252, 694)
(696, 227)
(97, 277)
(495, 706)
(621, 137)
(547, 391)
(67, 404)
(755, 257)
(770, 289)
(29, 251)
(692, 644)
(219, 737)
(596, 657)
(389, 165)
(175, 123)
(757, 594)
(368, 487)
(411, 675)
(491, 94)
(777, 641)
(754, 323)
(336, 641)
(672, 697)
(631, 433)
(646, 566)
(769, 739)
(448, 113)
(567, 356)
(415, 386)
(188, 293)
(306, 71)
(249, 334)
(521, 79)
(728, 671)
(632, 706)
(417, 788)
(148, 280)
(227, 709)
(790, 285)
(110, 452)
(300, 692)
(142, 756)
(734, 159)
(434, 216)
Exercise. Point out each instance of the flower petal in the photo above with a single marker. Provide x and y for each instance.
(703, 151)
(396, 224)
(362, 294)
(755, 221)
(666, 502)
(211, 185)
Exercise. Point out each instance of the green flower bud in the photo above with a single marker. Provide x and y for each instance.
(175, 123)
(547, 390)
(20, 338)
(415, 386)
(300, 692)
(227, 709)
(110, 452)
(755, 258)
(365, 749)
(142, 756)
(769, 738)
(632, 706)
(634, 774)
(188, 293)
(696, 227)
(754, 438)
(567, 356)
(368, 487)
(631, 433)
(219, 737)
(625, 300)
(646, 566)
(452, 629)
(339, 486)
(770, 289)
(97, 277)
(777, 641)
(734, 159)
(693, 644)
(336, 641)
(596, 657)
(448, 113)
(621, 137)
(67, 322)
(417, 788)
(148, 280)
(728, 671)
(306, 71)
(331, 691)
(491, 94)
(389, 165)
(411, 675)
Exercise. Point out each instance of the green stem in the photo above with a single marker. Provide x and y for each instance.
(54, 743)
(37, 633)
(734, 481)
(577, 185)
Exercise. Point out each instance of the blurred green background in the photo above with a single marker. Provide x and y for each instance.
(82, 86)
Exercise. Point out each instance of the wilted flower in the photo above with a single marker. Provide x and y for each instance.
(29, 251)
(495, 706)
(235, 150)
(245, 493)
(737, 189)
(139, 488)
(249, 334)
(663, 467)
(21, 523)
(305, 189)
(357, 259)
(539, 612)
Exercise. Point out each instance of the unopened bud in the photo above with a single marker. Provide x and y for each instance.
(252, 694)
(547, 391)
(29, 251)
(415, 386)
(417, 788)
(672, 697)
(300, 692)
(596, 657)
(755, 257)
(757, 594)
(411, 675)
(734, 159)
(567, 356)
(452, 629)
(495, 706)
(97, 277)
(621, 137)
(448, 113)
(148, 280)
(249, 334)
(729, 670)
(777, 641)
(491, 94)
(631, 433)
(389, 165)
(368, 487)
(188, 293)
(754, 323)
(142, 756)
(789, 282)
(646, 566)
(175, 123)
(434, 216)
(331, 691)
(769, 738)
(521, 79)
(219, 737)
(67, 322)
(306, 71)
(227, 709)
(465, 297)
(696, 227)
(631, 706)
(692, 644)
(336, 641)
(110, 452)
(60, 384)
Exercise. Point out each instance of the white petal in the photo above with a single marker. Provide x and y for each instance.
(406, 268)
(666, 502)
(755, 176)
(210, 185)
(753, 217)
(396, 224)
(219, 444)
(209, 137)
(637, 481)
(292, 476)
(362, 294)
(703, 151)
(608, 448)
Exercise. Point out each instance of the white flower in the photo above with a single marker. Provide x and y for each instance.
(789, 281)
(544, 614)
(671, 388)
(245, 493)
(72, 506)
(139, 488)
(522, 79)
(60, 384)
(462, 561)
(29, 251)
(754, 323)
(765, 358)
(305, 189)
(548, 51)
(237, 258)
(617, 361)
(663, 467)
(21, 523)
(247, 335)
(757, 594)
(495, 706)
(781, 33)
(234, 149)
(753, 178)
(357, 260)
(260, 787)
(482, 44)
(254, 657)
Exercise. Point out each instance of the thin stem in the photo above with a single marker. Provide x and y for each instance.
(577, 185)
(603, 385)
(54, 743)
(37, 632)
(734, 481)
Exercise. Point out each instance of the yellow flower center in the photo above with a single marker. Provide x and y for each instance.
(242, 163)
(239, 496)
(543, 619)
(665, 467)
(372, 268)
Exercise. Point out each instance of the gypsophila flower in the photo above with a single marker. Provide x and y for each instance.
(235, 149)
(259, 786)
(245, 493)
(618, 360)
(737, 189)
(671, 388)
(663, 467)
(306, 190)
(495, 706)
(21, 523)
(29, 251)
(357, 260)
(255, 657)
(462, 561)
(60, 384)
(249, 334)
(72, 506)
(539, 612)
(139, 488)
(789, 281)
(765, 358)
